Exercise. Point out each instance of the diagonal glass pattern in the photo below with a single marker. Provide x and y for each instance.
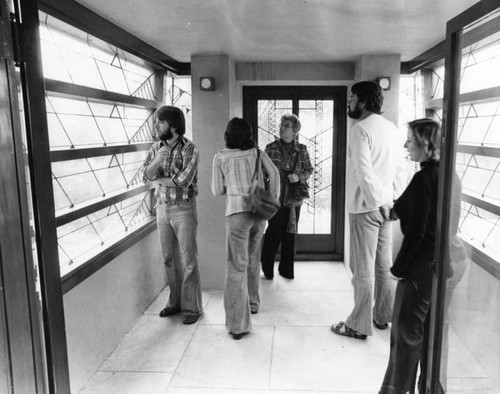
(316, 117)
(318, 135)
(269, 116)
(479, 59)
(84, 238)
(437, 82)
(70, 55)
(179, 95)
(81, 123)
(78, 181)
(98, 138)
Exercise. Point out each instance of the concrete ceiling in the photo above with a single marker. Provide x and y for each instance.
(284, 30)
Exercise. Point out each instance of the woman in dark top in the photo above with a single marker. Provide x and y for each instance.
(293, 162)
(417, 212)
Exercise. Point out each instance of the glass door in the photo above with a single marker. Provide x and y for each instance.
(465, 324)
(322, 114)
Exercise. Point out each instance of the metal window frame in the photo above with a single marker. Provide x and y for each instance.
(455, 41)
(80, 17)
(26, 52)
(435, 56)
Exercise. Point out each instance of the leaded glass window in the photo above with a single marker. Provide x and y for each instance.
(100, 102)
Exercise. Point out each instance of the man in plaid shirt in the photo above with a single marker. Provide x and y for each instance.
(173, 163)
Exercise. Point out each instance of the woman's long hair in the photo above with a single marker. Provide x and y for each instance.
(238, 135)
(427, 134)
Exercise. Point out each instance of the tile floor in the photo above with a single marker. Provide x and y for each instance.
(290, 350)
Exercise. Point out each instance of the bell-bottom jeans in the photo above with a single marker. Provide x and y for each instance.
(370, 262)
(177, 226)
(241, 295)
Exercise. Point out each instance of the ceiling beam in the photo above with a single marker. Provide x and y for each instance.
(436, 53)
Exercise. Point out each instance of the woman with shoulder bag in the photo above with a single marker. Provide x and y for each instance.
(232, 175)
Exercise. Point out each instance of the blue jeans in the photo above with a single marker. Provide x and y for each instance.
(177, 226)
(241, 295)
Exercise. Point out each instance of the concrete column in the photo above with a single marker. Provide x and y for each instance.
(369, 67)
(212, 110)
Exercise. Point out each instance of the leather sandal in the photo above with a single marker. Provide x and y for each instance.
(342, 329)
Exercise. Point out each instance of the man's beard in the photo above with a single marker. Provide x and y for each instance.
(166, 135)
(356, 114)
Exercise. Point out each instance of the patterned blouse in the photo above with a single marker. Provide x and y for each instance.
(288, 157)
(232, 172)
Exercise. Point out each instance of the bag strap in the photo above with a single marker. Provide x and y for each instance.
(257, 162)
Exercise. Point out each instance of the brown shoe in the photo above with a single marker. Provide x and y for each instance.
(168, 311)
(380, 326)
(190, 319)
(238, 336)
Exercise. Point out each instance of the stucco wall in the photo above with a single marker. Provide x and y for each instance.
(211, 112)
(104, 307)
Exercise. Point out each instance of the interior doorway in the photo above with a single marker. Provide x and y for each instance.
(322, 112)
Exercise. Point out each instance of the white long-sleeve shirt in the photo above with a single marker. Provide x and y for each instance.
(374, 159)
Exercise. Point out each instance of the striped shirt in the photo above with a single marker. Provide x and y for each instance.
(232, 172)
(180, 164)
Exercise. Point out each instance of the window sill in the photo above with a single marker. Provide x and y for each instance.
(82, 272)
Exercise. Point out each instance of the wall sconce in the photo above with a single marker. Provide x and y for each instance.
(207, 83)
(384, 83)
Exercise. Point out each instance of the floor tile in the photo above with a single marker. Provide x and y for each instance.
(154, 344)
(159, 303)
(317, 275)
(201, 390)
(127, 383)
(290, 308)
(214, 311)
(313, 358)
(214, 360)
(306, 308)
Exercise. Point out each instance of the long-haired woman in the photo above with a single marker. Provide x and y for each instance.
(232, 173)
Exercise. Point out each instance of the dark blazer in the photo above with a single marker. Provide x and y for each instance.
(417, 212)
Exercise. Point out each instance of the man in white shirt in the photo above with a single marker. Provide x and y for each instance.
(374, 155)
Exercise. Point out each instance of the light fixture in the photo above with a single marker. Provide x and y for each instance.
(384, 82)
(207, 83)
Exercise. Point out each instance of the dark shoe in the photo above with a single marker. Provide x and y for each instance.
(168, 311)
(380, 326)
(268, 277)
(254, 312)
(346, 331)
(190, 319)
(287, 276)
(237, 337)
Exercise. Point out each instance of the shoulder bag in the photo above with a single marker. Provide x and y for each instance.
(264, 205)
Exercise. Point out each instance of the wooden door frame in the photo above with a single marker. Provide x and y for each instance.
(339, 94)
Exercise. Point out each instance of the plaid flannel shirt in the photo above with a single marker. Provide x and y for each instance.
(183, 158)
(303, 169)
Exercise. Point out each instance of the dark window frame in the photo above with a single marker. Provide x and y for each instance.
(91, 23)
(435, 57)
